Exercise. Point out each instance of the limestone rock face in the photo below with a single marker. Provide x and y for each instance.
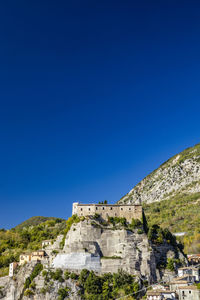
(180, 174)
(13, 288)
(89, 245)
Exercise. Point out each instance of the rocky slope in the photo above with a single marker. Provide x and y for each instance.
(179, 175)
(98, 246)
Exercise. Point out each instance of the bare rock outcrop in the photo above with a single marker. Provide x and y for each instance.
(180, 174)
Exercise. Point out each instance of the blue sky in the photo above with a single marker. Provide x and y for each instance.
(94, 95)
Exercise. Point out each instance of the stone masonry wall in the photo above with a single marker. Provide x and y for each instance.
(104, 210)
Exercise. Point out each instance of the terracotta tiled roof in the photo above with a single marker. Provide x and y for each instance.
(188, 287)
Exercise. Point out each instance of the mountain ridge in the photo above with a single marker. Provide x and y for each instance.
(180, 173)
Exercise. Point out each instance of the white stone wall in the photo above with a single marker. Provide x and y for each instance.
(77, 261)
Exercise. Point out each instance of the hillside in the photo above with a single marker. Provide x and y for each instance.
(33, 221)
(100, 259)
(26, 237)
(170, 196)
(179, 174)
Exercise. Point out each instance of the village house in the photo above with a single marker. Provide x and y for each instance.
(112, 210)
(188, 293)
(38, 255)
(194, 259)
(193, 271)
(175, 284)
(12, 267)
(24, 258)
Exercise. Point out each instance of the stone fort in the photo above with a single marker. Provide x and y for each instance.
(112, 210)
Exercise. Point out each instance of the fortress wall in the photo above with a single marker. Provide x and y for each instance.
(127, 211)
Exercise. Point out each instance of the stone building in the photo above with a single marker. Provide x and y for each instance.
(189, 293)
(24, 258)
(12, 268)
(112, 210)
(193, 271)
(38, 255)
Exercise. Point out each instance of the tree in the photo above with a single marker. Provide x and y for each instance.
(93, 284)
(170, 264)
(83, 276)
(106, 290)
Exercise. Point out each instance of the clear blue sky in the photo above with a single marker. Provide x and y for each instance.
(94, 95)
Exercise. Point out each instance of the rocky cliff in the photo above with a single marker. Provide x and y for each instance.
(91, 245)
(180, 174)
(97, 246)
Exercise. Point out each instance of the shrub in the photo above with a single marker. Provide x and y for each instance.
(27, 283)
(38, 268)
(135, 223)
(73, 276)
(170, 264)
(93, 284)
(63, 293)
(28, 293)
(67, 275)
(57, 275)
(83, 276)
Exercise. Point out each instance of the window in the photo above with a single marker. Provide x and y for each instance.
(103, 208)
(129, 208)
(96, 208)
(88, 208)
(81, 209)
(189, 292)
(121, 208)
(111, 208)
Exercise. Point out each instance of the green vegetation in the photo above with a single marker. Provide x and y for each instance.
(57, 275)
(117, 220)
(26, 238)
(34, 221)
(107, 286)
(180, 213)
(103, 202)
(91, 286)
(29, 280)
(29, 285)
(158, 235)
(28, 293)
(63, 293)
